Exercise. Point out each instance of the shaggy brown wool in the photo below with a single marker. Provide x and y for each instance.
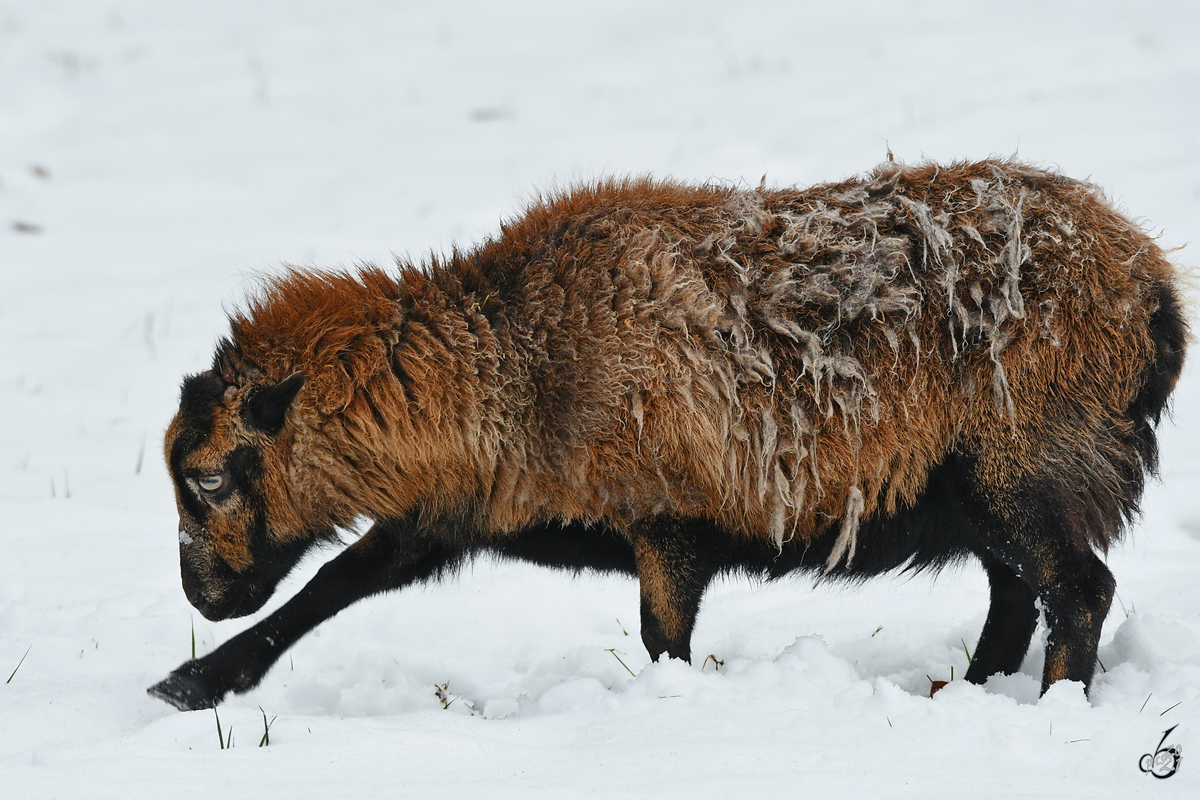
(770, 360)
(673, 382)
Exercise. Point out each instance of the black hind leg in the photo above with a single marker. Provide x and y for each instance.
(675, 562)
(1011, 618)
(1076, 591)
(1074, 586)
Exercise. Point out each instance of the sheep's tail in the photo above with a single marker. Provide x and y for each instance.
(1121, 460)
(1168, 332)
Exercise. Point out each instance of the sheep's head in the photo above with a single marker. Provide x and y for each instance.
(240, 529)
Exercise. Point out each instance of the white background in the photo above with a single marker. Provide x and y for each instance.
(156, 156)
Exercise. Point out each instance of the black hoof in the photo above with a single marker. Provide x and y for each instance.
(186, 689)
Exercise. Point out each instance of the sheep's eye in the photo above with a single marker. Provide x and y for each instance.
(210, 483)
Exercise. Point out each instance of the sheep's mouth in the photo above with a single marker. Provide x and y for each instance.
(218, 592)
(232, 602)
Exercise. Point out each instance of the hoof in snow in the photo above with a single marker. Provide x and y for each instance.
(184, 689)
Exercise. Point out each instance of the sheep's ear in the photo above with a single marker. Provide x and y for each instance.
(268, 407)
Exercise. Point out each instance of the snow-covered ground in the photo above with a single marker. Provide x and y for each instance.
(156, 156)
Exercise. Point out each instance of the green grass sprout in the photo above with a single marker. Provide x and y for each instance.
(226, 742)
(613, 650)
(19, 663)
(265, 741)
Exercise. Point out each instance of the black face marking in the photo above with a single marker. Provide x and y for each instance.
(241, 473)
(244, 468)
(199, 397)
(266, 409)
(184, 444)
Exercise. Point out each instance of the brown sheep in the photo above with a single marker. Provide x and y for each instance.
(675, 381)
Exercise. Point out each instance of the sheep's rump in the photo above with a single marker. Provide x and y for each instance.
(788, 362)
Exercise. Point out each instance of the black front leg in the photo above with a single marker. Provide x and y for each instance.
(384, 558)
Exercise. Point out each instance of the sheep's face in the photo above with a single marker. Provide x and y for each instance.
(239, 531)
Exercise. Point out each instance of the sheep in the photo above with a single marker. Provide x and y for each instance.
(673, 381)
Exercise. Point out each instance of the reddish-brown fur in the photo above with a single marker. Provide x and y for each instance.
(783, 364)
(617, 381)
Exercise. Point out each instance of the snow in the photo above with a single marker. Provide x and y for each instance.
(156, 157)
